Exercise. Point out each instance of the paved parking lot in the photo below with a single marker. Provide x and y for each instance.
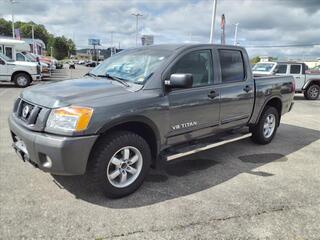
(236, 191)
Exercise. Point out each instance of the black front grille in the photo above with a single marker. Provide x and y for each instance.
(34, 118)
(27, 112)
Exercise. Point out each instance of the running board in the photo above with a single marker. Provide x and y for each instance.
(196, 149)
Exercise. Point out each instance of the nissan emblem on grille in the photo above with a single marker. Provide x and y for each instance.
(25, 111)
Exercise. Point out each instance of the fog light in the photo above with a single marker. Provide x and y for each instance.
(47, 163)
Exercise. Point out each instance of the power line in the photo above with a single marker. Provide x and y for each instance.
(284, 46)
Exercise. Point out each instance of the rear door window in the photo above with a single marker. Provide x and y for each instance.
(232, 66)
(295, 69)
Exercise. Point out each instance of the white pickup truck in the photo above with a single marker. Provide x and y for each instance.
(20, 73)
(307, 83)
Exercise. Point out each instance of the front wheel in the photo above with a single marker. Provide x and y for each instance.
(22, 80)
(266, 128)
(312, 93)
(119, 163)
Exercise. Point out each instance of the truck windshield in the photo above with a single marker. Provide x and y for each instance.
(263, 67)
(5, 58)
(134, 66)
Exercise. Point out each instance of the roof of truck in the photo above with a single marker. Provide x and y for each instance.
(173, 47)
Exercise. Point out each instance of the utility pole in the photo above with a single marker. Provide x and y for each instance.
(12, 16)
(213, 20)
(51, 51)
(137, 15)
(32, 32)
(235, 42)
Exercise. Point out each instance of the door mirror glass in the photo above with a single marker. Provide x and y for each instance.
(180, 80)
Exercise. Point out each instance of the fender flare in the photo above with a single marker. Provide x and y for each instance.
(307, 84)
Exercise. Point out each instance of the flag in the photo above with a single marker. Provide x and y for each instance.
(17, 33)
(223, 24)
(223, 21)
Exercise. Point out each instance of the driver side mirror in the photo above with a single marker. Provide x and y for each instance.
(2, 62)
(180, 80)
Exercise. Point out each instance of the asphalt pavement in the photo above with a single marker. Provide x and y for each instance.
(237, 191)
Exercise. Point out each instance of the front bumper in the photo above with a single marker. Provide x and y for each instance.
(36, 77)
(68, 155)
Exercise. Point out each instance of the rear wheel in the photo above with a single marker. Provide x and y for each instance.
(266, 128)
(119, 163)
(312, 93)
(22, 80)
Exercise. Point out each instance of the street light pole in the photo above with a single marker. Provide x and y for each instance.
(12, 15)
(213, 20)
(137, 15)
(235, 34)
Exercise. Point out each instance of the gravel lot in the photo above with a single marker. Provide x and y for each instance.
(236, 191)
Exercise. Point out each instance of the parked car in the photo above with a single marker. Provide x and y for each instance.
(307, 83)
(144, 106)
(91, 64)
(72, 65)
(20, 73)
(59, 65)
(264, 69)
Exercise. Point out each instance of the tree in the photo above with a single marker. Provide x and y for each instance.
(255, 60)
(60, 47)
(5, 27)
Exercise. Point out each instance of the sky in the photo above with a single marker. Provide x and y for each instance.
(262, 23)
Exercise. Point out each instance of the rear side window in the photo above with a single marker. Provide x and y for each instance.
(232, 67)
(281, 68)
(295, 69)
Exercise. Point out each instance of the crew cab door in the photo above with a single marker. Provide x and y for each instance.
(194, 112)
(295, 70)
(236, 88)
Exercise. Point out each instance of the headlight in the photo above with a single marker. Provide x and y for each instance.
(70, 119)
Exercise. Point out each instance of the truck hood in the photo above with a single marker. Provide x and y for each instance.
(26, 64)
(76, 91)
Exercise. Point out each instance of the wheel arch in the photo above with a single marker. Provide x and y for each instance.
(272, 102)
(140, 125)
(20, 71)
(311, 82)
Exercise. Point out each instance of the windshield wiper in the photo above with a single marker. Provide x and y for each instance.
(90, 74)
(120, 80)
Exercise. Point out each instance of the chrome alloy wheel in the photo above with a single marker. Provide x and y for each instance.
(22, 81)
(269, 125)
(124, 167)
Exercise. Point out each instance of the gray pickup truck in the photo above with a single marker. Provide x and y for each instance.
(143, 107)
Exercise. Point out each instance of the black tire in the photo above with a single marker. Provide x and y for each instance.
(312, 92)
(257, 131)
(101, 155)
(25, 83)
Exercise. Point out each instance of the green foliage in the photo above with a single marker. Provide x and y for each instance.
(255, 60)
(62, 47)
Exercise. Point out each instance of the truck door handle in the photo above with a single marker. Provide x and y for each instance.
(247, 88)
(213, 94)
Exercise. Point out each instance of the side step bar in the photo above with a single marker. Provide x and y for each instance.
(203, 148)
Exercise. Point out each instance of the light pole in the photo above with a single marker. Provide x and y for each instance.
(235, 34)
(51, 51)
(12, 15)
(137, 15)
(213, 20)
